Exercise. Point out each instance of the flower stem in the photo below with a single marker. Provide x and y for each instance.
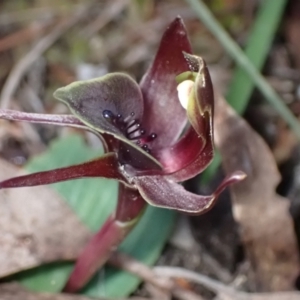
(96, 253)
(130, 207)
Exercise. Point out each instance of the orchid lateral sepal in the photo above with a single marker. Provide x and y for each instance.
(165, 193)
(106, 166)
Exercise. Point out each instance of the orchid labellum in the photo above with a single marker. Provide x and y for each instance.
(156, 134)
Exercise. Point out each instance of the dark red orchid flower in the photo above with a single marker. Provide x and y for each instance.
(156, 134)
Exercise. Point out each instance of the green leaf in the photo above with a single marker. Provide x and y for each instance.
(257, 49)
(46, 278)
(93, 200)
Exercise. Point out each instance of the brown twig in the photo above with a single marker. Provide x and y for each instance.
(223, 291)
(175, 272)
(41, 46)
(22, 36)
(37, 13)
(216, 268)
(161, 278)
(107, 14)
(137, 268)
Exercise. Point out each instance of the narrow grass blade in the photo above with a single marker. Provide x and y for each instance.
(257, 48)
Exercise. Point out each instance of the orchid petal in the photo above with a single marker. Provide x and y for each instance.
(164, 114)
(162, 192)
(59, 120)
(105, 166)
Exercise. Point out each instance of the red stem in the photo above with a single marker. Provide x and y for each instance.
(101, 246)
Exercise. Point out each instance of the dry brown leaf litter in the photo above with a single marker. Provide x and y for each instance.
(36, 227)
(266, 227)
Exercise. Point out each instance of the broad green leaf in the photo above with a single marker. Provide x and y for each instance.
(46, 278)
(93, 200)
